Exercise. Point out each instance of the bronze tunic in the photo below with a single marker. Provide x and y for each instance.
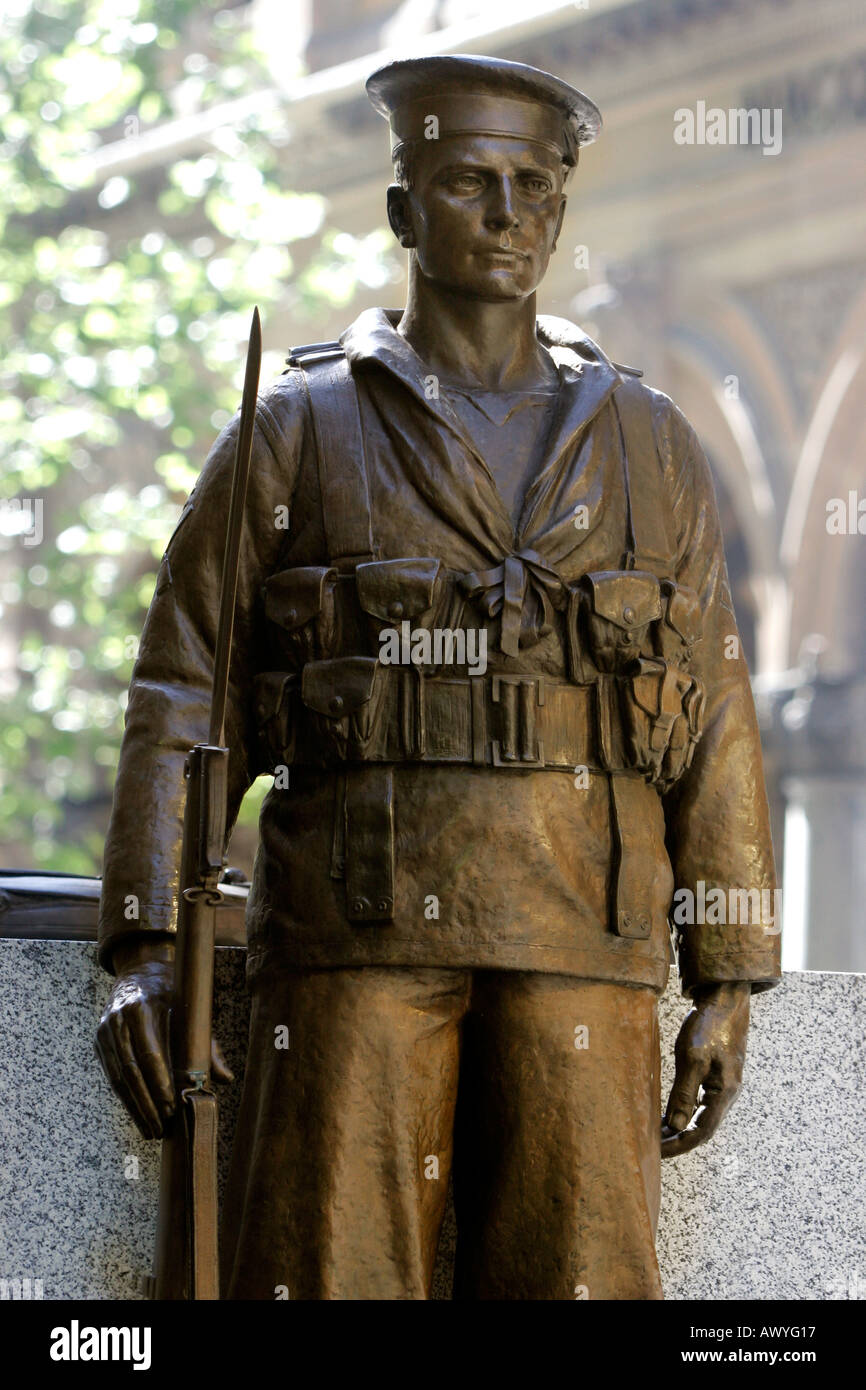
(519, 862)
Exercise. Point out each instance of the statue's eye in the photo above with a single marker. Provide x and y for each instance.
(465, 183)
(538, 186)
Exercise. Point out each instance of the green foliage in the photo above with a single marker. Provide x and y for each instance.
(124, 306)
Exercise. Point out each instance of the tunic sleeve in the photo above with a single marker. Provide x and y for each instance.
(169, 696)
(717, 819)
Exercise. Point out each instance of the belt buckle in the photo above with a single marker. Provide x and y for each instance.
(518, 698)
(413, 712)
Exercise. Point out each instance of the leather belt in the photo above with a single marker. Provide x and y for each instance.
(365, 718)
(515, 722)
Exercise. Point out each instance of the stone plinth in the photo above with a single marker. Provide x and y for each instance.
(772, 1208)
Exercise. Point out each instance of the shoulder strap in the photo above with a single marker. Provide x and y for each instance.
(336, 415)
(649, 542)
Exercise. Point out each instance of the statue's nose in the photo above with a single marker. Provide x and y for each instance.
(502, 215)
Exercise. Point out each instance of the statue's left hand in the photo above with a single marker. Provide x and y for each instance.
(710, 1052)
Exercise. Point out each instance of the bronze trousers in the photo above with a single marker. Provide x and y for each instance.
(367, 1088)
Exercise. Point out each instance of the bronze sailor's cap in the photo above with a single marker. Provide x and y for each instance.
(471, 95)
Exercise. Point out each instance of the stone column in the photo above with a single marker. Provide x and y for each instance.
(817, 740)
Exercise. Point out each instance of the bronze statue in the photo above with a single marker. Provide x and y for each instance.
(484, 640)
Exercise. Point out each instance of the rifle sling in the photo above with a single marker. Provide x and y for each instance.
(199, 1108)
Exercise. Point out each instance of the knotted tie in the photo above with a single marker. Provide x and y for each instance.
(504, 590)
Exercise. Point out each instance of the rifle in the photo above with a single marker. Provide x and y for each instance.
(187, 1257)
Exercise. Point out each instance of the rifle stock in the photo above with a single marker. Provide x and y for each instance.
(186, 1248)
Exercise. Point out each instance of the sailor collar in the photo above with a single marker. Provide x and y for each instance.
(587, 377)
(373, 336)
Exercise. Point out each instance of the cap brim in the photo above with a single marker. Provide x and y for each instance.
(407, 79)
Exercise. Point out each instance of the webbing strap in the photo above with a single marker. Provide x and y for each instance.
(363, 848)
(649, 546)
(343, 482)
(370, 844)
(199, 1110)
(634, 860)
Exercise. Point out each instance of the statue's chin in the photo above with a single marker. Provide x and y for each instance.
(501, 293)
(493, 287)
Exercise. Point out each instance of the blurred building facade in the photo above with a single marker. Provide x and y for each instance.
(733, 274)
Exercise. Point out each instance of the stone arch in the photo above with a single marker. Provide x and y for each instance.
(750, 435)
(827, 572)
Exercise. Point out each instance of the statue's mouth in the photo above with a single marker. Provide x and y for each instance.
(503, 253)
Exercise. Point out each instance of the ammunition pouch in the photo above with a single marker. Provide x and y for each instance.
(343, 698)
(275, 727)
(639, 634)
(317, 612)
(323, 716)
(416, 590)
(614, 614)
(391, 591)
(302, 605)
(662, 711)
(617, 616)
(679, 630)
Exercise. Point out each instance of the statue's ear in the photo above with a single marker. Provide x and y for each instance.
(562, 207)
(399, 215)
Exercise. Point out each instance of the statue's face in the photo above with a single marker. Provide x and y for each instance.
(482, 215)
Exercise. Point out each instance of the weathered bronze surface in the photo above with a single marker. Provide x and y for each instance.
(485, 640)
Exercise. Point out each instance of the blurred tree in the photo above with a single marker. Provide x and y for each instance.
(124, 306)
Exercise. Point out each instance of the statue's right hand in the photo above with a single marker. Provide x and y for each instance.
(132, 1042)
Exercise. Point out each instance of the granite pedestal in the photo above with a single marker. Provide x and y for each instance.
(772, 1208)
